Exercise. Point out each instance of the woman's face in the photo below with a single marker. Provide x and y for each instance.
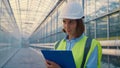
(70, 26)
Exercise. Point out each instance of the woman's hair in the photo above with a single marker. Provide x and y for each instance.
(80, 27)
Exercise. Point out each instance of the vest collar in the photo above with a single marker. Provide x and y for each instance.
(75, 39)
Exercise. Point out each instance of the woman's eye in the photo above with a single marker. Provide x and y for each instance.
(70, 21)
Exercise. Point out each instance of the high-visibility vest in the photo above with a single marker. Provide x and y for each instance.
(78, 51)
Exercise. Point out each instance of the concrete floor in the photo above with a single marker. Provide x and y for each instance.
(26, 58)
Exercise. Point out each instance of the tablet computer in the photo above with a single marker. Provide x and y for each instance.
(63, 58)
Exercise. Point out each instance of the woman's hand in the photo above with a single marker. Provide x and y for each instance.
(51, 64)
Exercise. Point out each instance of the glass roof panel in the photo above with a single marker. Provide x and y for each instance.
(30, 13)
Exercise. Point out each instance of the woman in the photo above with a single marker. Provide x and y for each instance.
(75, 39)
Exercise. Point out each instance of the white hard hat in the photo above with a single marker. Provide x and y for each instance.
(72, 10)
